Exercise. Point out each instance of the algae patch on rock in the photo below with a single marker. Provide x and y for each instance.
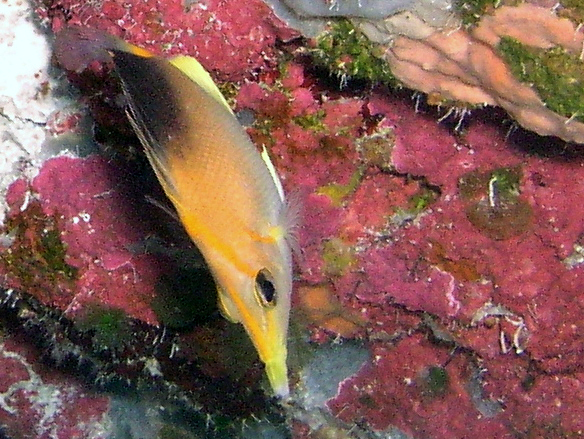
(557, 75)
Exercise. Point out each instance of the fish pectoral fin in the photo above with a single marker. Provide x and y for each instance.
(227, 307)
(290, 218)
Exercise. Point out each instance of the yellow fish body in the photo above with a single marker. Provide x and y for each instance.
(226, 193)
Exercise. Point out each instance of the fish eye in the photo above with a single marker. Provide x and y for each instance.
(265, 289)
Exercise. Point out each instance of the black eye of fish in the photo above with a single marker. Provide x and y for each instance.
(265, 289)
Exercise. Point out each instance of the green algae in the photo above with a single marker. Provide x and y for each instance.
(229, 91)
(37, 256)
(348, 54)
(263, 127)
(274, 113)
(424, 198)
(375, 149)
(572, 10)
(339, 192)
(110, 326)
(476, 183)
(435, 382)
(494, 204)
(312, 121)
(556, 75)
(471, 11)
(508, 179)
(338, 257)
(53, 251)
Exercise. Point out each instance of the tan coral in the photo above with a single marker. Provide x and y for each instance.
(464, 66)
(533, 26)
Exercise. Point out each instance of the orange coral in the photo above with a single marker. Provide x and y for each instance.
(318, 305)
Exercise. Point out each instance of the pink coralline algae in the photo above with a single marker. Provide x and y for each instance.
(235, 42)
(444, 250)
(479, 265)
(36, 402)
(96, 221)
(419, 395)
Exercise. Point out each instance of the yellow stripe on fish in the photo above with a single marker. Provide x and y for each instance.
(226, 193)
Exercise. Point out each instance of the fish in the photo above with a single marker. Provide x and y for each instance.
(226, 192)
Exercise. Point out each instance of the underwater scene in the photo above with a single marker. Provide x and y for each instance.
(291, 219)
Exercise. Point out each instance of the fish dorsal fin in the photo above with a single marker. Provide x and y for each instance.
(194, 70)
(266, 158)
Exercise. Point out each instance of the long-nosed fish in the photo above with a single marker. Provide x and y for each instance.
(226, 193)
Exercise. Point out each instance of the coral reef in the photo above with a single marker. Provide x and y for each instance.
(444, 258)
(38, 402)
(98, 255)
(451, 245)
(311, 17)
(205, 30)
(523, 57)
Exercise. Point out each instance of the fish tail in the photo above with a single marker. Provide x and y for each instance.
(76, 47)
